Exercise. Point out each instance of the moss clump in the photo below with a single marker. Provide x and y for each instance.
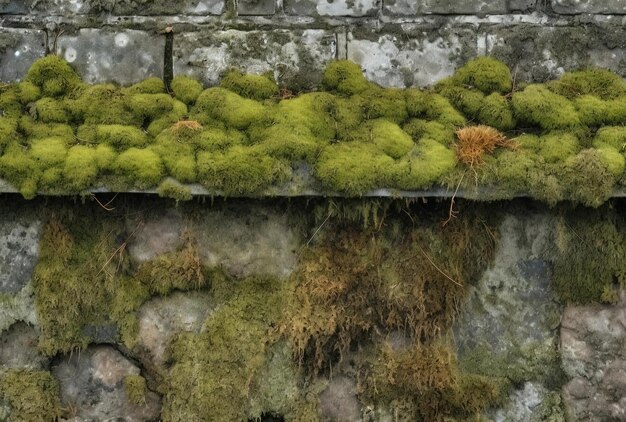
(152, 85)
(426, 164)
(613, 136)
(27, 92)
(226, 106)
(539, 106)
(179, 112)
(588, 178)
(386, 103)
(8, 132)
(30, 395)
(240, 170)
(54, 76)
(186, 89)
(596, 112)
(344, 77)
(419, 128)
(135, 388)
(103, 104)
(50, 110)
(388, 138)
(557, 146)
(601, 83)
(485, 74)
(18, 167)
(142, 168)
(310, 113)
(291, 143)
(256, 87)
(83, 165)
(150, 106)
(118, 136)
(496, 111)
(170, 188)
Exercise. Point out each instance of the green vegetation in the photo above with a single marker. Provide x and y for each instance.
(136, 389)
(30, 395)
(244, 137)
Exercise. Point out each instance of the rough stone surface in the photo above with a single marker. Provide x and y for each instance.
(593, 351)
(339, 402)
(509, 325)
(607, 7)
(118, 7)
(296, 57)
(446, 7)
(18, 348)
(19, 48)
(256, 7)
(92, 382)
(124, 57)
(243, 243)
(19, 252)
(532, 403)
(156, 235)
(332, 7)
(419, 59)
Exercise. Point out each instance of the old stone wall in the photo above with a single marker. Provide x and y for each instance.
(397, 42)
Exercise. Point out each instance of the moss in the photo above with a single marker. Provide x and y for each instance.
(48, 152)
(19, 168)
(595, 112)
(179, 112)
(142, 168)
(496, 111)
(80, 169)
(291, 143)
(30, 395)
(53, 75)
(118, 136)
(557, 146)
(387, 137)
(8, 132)
(485, 74)
(440, 109)
(588, 178)
(419, 128)
(426, 164)
(170, 188)
(310, 111)
(152, 85)
(216, 139)
(103, 104)
(135, 388)
(256, 87)
(150, 106)
(50, 110)
(35, 130)
(613, 136)
(27, 92)
(344, 77)
(601, 83)
(538, 106)
(235, 111)
(240, 170)
(186, 89)
(613, 159)
(9, 104)
(386, 103)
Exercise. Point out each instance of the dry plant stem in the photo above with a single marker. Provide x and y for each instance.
(452, 213)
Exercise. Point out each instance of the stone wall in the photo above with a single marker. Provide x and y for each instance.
(397, 42)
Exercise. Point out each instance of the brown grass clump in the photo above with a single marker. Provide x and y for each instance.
(186, 127)
(474, 142)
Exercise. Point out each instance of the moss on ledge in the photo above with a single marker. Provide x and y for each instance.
(59, 135)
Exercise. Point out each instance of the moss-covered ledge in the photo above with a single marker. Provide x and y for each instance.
(476, 134)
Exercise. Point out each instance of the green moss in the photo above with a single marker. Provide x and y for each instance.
(345, 77)
(178, 156)
(8, 132)
(48, 152)
(19, 168)
(31, 396)
(142, 168)
(485, 74)
(50, 110)
(588, 178)
(310, 111)
(147, 86)
(240, 170)
(557, 146)
(35, 130)
(496, 111)
(538, 106)
(179, 112)
(595, 112)
(118, 136)
(186, 89)
(386, 103)
(170, 188)
(601, 83)
(216, 139)
(426, 164)
(291, 143)
(9, 104)
(256, 87)
(103, 104)
(613, 136)
(53, 75)
(150, 106)
(27, 92)
(135, 388)
(613, 159)
(226, 106)
(388, 138)
(440, 109)
(419, 128)
(80, 169)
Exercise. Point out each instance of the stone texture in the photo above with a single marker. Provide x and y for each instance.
(415, 59)
(332, 7)
(92, 383)
(118, 7)
(296, 57)
(607, 7)
(256, 7)
(593, 351)
(168, 7)
(18, 348)
(19, 252)
(530, 403)
(244, 243)
(156, 235)
(541, 53)
(339, 402)
(446, 7)
(124, 57)
(19, 48)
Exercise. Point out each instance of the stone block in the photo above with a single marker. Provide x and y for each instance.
(573, 7)
(413, 59)
(296, 57)
(446, 7)
(19, 48)
(332, 7)
(256, 7)
(19, 252)
(123, 57)
(119, 7)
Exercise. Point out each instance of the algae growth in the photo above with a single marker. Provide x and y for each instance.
(59, 135)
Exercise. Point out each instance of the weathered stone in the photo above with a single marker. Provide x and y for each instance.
(245, 244)
(256, 7)
(332, 7)
(446, 7)
(339, 402)
(19, 48)
(509, 325)
(119, 7)
(124, 57)
(607, 7)
(593, 351)
(18, 348)
(296, 57)
(162, 318)
(157, 235)
(541, 53)
(418, 59)
(19, 252)
(532, 403)
(92, 383)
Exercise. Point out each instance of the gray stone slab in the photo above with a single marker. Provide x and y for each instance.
(19, 251)
(119, 7)
(124, 57)
(296, 57)
(256, 7)
(19, 48)
(415, 59)
(168, 7)
(608, 7)
(332, 7)
(446, 7)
